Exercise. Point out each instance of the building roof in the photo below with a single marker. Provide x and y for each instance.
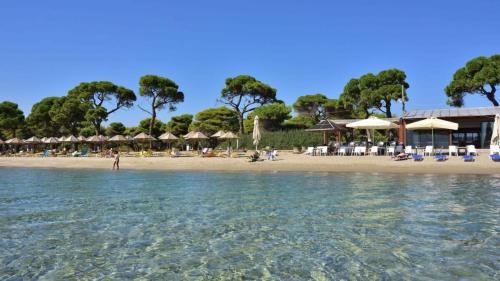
(453, 112)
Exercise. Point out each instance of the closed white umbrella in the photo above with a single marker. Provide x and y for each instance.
(256, 132)
(495, 134)
(431, 124)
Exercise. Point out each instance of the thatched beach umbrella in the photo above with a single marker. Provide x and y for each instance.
(168, 138)
(33, 140)
(62, 139)
(14, 141)
(51, 140)
(256, 132)
(118, 139)
(218, 134)
(72, 139)
(82, 138)
(197, 136)
(43, 139)
(1, 141)
(229, 136)
(143, 137)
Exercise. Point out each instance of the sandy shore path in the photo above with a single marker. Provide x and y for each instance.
(286, 162)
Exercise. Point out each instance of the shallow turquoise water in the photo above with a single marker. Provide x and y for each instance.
(79, 225)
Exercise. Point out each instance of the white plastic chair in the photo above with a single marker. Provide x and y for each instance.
(342, 151)
(309, 150)
(390, 150)
(471, 149)
(408, 149)
(429, 150)
(374, 150)
(323, 150)
(452, 149)
(494, 149)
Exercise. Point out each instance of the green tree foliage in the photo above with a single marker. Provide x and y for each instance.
(311, 105)
(11, 117)
(212, 120)
(115, 128)
(480, 75)
(68, 115)
(300, 122)
(179, 125)
(96, 95)
(39, 121)
(134, 131)
(158, 127)
(375, 92)
(271, 117)
(162, 92)
(244, 93)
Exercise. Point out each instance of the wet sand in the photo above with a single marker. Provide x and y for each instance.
(287, 162)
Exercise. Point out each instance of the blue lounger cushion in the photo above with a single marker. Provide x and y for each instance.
(440, 157)
(495, 157)
(417, 157)
(469, 158)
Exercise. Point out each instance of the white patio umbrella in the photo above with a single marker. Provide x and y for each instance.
(372, 123)
(495, 134)
(431, 124)
(256, 132)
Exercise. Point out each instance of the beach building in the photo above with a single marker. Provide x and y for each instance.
(475, 125)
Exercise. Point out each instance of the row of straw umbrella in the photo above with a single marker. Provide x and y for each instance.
(142, 137)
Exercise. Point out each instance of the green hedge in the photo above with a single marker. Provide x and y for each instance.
(283, 139)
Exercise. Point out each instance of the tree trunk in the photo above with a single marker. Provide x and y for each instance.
(151, 124)
(240, 122)
(97, 128)
(13, 133)
(388, 112)
(491, 97)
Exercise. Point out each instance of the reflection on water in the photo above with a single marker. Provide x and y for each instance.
(230, 226)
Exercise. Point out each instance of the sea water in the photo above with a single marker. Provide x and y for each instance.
(96, 224)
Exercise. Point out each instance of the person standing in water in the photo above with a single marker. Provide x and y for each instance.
(117, 160)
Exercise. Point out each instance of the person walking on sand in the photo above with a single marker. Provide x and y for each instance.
(116, 163)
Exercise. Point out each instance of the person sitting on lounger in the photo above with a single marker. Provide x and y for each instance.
(401, 156)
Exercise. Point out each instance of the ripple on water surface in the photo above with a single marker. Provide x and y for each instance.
(57, 224)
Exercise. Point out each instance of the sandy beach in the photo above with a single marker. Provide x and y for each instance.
(287, 162)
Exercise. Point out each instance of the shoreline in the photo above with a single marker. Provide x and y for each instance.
(287, 162)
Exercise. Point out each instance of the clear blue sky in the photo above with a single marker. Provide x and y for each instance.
(298, 47)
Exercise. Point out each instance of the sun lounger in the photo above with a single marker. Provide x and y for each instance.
(469, 158)
(494, 149)
(471, 150)
(495, 157)
(417, 157)
(440, 157)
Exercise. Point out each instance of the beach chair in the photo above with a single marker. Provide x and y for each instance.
(417, 157)
(391, 150)
(452, 149)
(429, 150)
(440, 157)
(309, 150)
(374, 150)
(494, 149)
(175, 153)
(342, 151)
(408, 149)
(469, 158)
(471, 150)
(495, 157)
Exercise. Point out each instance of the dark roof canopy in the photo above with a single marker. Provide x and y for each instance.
(325, 125)
(453, 112)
